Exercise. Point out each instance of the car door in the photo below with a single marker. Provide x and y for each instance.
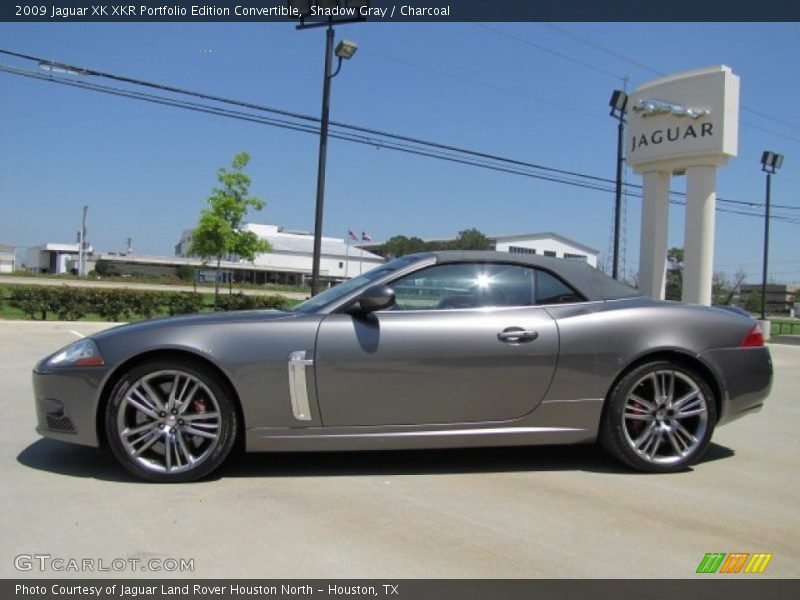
(463, 343)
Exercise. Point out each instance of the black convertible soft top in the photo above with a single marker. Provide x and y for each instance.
(592, 283)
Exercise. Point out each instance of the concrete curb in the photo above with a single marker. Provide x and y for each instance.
(791, 340)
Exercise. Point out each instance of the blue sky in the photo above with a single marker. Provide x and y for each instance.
(535, 92)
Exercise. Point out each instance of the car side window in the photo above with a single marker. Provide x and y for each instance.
(551, 290)
(465, 285)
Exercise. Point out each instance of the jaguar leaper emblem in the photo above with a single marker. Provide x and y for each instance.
(653, 108)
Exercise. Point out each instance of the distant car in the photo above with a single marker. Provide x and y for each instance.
(434, 350)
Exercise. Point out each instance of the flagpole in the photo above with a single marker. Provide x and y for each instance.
(364, 238)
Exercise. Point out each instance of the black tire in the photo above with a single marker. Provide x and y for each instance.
(205, 423)
(638, 423)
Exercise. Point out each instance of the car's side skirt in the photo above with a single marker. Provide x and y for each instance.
(553, 422)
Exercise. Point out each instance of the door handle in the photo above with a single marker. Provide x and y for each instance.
(517, 335)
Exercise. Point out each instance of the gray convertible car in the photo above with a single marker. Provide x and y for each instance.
(435, 350)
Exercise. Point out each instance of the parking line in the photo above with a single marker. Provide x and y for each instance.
(73, 332)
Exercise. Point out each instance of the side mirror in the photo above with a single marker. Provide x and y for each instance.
(378, 297)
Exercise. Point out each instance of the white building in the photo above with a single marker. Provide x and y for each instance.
(7, 258)
(545, 244)
(54, 258)
(290, 260)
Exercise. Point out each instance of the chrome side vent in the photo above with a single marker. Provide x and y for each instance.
(298, 387)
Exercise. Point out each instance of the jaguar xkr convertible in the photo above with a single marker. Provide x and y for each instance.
(435, 350)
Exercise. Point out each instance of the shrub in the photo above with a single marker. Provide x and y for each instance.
(181, 303)
(34, 300)
(274, 301)
(71, 303)
(243, 302)
(146, 304)
(112, 305)
(234, 302)
(184, 272)
(102, 267)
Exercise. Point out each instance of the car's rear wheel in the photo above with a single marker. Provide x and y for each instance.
(170, 421)
(659, 418)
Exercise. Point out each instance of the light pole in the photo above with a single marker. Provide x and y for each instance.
(618, 102)
(770, 163)
(82, 244)
(344, 50)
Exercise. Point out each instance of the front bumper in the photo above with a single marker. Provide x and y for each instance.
(745, 375)
(66, 403)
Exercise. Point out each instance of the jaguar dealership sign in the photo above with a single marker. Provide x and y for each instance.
(682, 124)
(684, 116)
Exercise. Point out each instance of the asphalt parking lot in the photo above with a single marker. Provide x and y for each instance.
(508, 512)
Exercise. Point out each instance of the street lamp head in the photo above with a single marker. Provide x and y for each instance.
(618, 102)
(54, 67)
(771, 161)
(327, 13)
(299, 8)
(345, 49)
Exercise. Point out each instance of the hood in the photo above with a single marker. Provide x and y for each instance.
(236, 316)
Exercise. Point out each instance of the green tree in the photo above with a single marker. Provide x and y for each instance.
(105, 268)
(101, 267)
(753, 302)
(184, 272)
(218, 233)
(674, 287)
(400, 245)
(471, 239)
(723, 289)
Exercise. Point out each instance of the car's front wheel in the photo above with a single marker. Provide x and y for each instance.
(659, 417)
(170, 421)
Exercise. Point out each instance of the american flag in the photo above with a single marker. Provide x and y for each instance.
(351, 235)
(365, 237)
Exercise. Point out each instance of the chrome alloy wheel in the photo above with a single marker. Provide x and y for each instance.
(665, 417)
(169, 422)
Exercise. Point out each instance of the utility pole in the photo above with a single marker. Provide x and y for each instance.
(344, 51)
(82, 244)
(323, 153)
(770, 163)
(618, 104)
(766, 251)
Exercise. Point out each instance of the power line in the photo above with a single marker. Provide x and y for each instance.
(601, 48)
(623, 57)
(406, 148)
(346, 126)
(285, 124)
(561, 55)
(442, 151)
(491, 86)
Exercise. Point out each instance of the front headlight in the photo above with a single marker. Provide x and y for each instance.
(83, 353)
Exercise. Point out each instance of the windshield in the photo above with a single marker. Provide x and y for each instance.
(338, 292)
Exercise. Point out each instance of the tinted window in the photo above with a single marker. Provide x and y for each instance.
(467, 285)
(338, 292)
(551, 290)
